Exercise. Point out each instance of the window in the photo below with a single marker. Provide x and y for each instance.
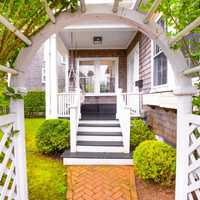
(160, 69)
(43, 72)
(160, 66)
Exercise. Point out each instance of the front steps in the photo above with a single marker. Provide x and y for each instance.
(85, 158)
(98, 142)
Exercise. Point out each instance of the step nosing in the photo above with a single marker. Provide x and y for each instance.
(100, 143)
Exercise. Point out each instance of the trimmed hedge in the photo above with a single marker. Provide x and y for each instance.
(53, 136)
(139, 133)
(156, 161)
(34, 104)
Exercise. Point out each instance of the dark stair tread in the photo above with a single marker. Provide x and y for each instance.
(68, 154)
(100, 143)
(99, 125)
(99, 134)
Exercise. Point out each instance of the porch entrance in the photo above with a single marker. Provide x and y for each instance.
(98, 80)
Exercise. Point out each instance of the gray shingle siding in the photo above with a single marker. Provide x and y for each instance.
(33, 75)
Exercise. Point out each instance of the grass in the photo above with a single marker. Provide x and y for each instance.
(46, 175)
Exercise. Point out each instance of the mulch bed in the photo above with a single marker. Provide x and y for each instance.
(150, 191)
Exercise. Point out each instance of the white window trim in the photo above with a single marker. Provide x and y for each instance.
(165, 87)
(136, 67)
(116, 59)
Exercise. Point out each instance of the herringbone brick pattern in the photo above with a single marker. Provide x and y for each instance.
(101, 183)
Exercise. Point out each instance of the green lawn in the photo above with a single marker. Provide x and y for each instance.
(46, 175)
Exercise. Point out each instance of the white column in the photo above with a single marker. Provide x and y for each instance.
(184, 107)
(66, 74)
(51, 85)
(17, 107)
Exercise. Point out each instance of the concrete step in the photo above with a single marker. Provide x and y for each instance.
(99, 122)
(99, 138)
(89, 158)
(99, 134)
(99, 129)
(100, 146)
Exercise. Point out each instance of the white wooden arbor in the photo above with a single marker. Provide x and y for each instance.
(187, 165)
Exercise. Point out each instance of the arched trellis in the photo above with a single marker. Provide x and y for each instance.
(134, 18)
(183, 86)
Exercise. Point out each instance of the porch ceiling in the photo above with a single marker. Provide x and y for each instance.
(113, 36)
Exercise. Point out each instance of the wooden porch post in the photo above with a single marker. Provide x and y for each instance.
(51, 77)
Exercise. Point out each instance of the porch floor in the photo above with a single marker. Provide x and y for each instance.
(101, 183)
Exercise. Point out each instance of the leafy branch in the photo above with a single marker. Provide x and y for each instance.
(12, 93)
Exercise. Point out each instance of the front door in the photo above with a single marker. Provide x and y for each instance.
(98, 76)
(98, 80)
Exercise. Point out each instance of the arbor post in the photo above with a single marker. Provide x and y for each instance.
(17, 107)
(182, 158)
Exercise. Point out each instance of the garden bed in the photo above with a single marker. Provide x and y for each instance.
(151, 191)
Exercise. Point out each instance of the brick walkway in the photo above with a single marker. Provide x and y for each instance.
(101, 183)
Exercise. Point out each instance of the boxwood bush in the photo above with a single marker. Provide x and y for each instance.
(155, 161)
(53, 136)
(139, 133)
(34, 104)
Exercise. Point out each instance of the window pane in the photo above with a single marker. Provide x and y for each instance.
(87, 76)
(106, 76)
(160, 69)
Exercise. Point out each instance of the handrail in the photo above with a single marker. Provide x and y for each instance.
(65, 101)
(74, 120)
(123, 114)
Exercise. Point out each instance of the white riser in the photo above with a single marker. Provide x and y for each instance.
(92, 161)
(99, 129)
(100, 149)
(99, 122)
(100, 138)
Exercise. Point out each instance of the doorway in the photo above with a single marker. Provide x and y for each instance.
(98, 80)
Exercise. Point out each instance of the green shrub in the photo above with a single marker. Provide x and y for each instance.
(139, 133)
(53, 136)
(155, 161)
(4, 102)
(34, 104)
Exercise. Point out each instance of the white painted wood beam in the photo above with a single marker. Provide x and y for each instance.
(13, 29)
(49, 11)
(8, 70)
(137, 4)
(151, 11)
(192, 71)
(185, 31)
(115, 6)
(83, 6)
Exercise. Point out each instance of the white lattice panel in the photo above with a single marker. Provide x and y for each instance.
(8, 186)
(193, 191)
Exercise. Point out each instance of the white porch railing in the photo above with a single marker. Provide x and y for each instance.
(192, 185)
(10, 159)
(132, 100)
(65, 100)
(74, 119)
(123, 114)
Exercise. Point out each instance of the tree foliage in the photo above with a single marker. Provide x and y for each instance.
(28, 16)
(178, 14)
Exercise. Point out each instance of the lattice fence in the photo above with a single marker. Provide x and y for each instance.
(8, 180)
(193, 191)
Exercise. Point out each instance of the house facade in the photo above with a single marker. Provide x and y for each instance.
(139, 68)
